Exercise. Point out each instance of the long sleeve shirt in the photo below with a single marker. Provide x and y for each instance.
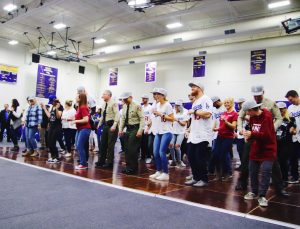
(263, 137)
(269, 105)
(34, 116)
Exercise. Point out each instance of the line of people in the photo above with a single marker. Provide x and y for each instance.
(267, 135)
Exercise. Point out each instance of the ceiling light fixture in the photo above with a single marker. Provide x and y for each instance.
(59, 26)
(174, 25)
(10, 7)
(51, 53)
(139, 3)
(278, 4)
(100, 41)
(13, 42)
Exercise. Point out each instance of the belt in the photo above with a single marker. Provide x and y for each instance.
(109, 123)
(131, 127)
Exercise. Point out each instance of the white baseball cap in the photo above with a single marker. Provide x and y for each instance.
(125, 95)
(215, 98)
(197, 85)
(281, 105)
(145, 96)
(250, 105)
(162, 91)
(179, 102)
(257, 90)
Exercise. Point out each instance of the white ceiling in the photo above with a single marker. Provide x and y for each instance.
(120, 25)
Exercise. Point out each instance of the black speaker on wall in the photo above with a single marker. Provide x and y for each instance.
(35, 58)
(81, 69)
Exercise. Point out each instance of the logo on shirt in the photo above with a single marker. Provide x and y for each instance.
(256, 127)
(295, 114)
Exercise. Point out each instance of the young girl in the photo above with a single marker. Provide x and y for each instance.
(163, 138)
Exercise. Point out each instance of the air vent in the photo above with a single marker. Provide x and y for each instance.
(229, 31)
(132, 62)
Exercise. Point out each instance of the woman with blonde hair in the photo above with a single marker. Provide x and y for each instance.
(224, 141)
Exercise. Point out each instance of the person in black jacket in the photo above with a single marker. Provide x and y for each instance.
(284, 140)
(4, 123)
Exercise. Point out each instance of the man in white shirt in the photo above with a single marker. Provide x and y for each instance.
(200, 135)
(147, 110)
(294, 112)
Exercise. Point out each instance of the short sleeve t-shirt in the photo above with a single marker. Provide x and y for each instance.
(163, 125)
(154, 120)
(201, 129)
(183, 117)
(294, 112)
(147, 110)
(225, 131)
(53, 120)
(82, 112)
(217, 112)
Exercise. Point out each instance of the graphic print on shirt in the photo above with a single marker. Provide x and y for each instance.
(256, 127)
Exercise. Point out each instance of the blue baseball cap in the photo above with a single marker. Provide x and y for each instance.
(51, 99)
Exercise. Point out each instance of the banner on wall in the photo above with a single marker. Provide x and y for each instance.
(258, 62)
(8, 74)
(150, 72)
(113, 76)
(46, 81)
(199, 66)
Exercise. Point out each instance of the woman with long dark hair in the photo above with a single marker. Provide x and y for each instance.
(15, 117)
(82, 121)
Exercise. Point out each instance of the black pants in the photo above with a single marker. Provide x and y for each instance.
(150, 144)
(283, 150)
(183, 147)
(60, 140)
(54, 133)
(240, 142)
(7, 128)
(197, 154)
(107, 146)
(293, 159)
(144, 147)
(15, 135)
(69, 138)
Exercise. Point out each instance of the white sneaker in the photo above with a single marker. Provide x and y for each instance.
(155, 175)
(148, 160)
(263, 202)
(63, 152)
(250, 196)
(190, 182)
(190, 177)
(182, 164)
(163, 177)
(68, 155)
(50, 160)
(54, 161)
(200, 184)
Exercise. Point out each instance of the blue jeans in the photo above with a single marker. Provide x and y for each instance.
(161, 145)
(82, 138)
(30, 137)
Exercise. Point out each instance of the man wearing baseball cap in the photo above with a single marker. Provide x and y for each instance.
(258, 94)
(200, 135)
(263, 151)
(134, 121)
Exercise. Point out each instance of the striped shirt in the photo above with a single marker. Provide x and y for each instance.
(34, 116)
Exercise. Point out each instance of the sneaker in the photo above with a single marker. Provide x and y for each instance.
(263, 202)
(190, 182)
(80, 167)
(293, 181)
(163, 177)
(200, 184)
(26, 153)
(15, 148)
(62, 152)
(35, 154)
(96, 150)
(68, 155)
(250, 196)
(190, 177)
(148, 161)
(180, 165)
(55, 160)
(227, 177)
(50, 160)
(155, 175)
(172, 164)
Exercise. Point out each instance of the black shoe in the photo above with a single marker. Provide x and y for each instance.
(24, 150)
(129, 171)
(16, 148)
(240, 187)
(99, 164)
(283, 193)
(108, 166)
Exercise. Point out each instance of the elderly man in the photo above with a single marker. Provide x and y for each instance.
(134, 121)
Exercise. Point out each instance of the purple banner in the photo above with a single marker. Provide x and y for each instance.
(199, 66)
(46, 81)
(8, 74)
(150, 72)
(258, 62)
(113, 76)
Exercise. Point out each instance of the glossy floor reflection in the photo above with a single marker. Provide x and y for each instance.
(217, 194)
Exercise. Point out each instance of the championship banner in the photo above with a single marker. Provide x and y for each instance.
(150, 72)
(199, 66)
(46, 81)
(113, 76)
(8, 74)
(258, 62)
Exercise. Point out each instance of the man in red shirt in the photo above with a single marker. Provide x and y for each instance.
(263, 150)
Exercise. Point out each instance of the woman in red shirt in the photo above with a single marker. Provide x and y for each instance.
(82, 121)
(224, 140)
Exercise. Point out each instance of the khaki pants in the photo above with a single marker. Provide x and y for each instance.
(43, 137)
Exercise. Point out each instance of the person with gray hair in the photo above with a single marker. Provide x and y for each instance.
(91, 101)
(109, 118)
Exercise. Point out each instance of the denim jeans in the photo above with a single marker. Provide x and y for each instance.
(197, 154)
(81, 141)
(160, 147)
(30, 137)
(260, 188)
(176, 142)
